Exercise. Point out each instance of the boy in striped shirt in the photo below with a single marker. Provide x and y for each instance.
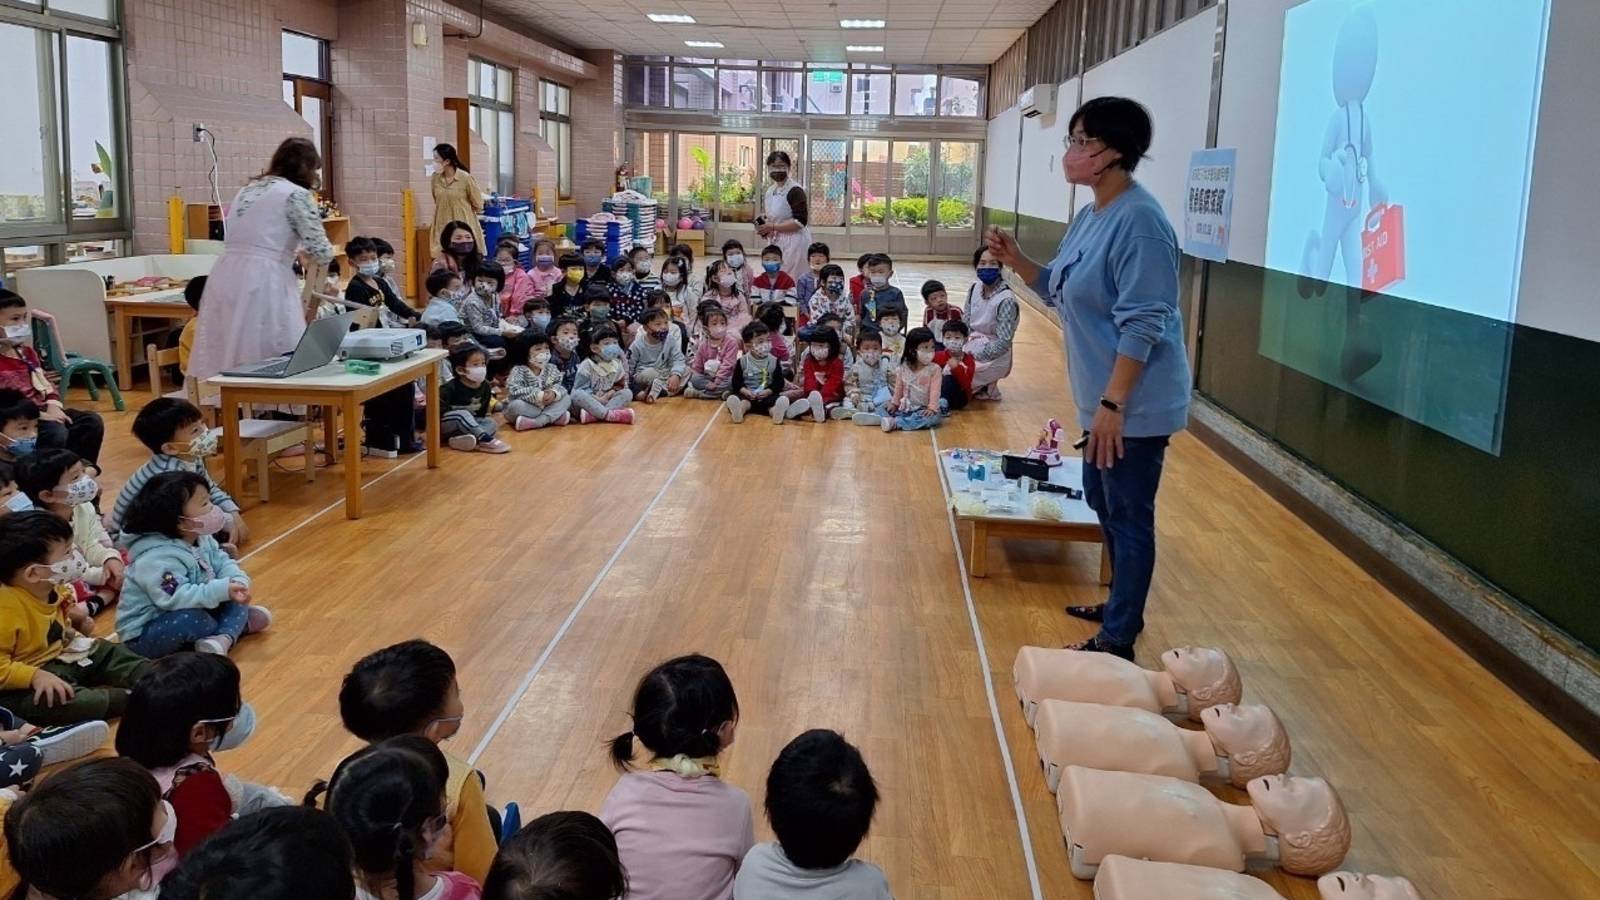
(176, 433)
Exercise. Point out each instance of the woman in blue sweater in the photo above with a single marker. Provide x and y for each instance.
(1114, 281)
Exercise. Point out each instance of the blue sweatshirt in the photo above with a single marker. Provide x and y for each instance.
(1115, 283)
(168, 574)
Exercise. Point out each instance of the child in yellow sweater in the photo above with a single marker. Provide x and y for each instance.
(50, 674)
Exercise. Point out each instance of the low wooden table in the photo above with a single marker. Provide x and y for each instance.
(1078, 525)
(330, 387)
(168, 304)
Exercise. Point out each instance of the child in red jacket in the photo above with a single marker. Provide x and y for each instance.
(958, 365)
(822, 372)
(80, 431)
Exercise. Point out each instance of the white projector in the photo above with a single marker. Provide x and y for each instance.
(382, 344)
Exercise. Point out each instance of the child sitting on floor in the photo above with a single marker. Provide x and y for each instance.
(958, 365)
(12, 499)
(723, 287)
(832, 322)
(869, 382)
(601, 390)
(880, 297)
(518, 287)
(566, 294)
(773, 285)
(58, 481)
(181, 712)
(820, 801)
(892, 326)
(180, 441)
(444, 297)
(682, 830)
(19, 426)
(535, 396)
(817, 255)
(938, 307)
(182, 589)
(656, 366)
(757, 376)
(389, 799)
(410, 688)
(733, 259)
(558, 856)
(545, 272)
(916, 403)
(50, 673)
(831, 298)
(465, 401)
(779, 327)
(566, 350)
(821, 372)
(711, 369)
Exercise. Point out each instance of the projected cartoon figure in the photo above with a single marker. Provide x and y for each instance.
(1349, 174)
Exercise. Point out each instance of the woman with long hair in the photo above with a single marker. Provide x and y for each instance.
(252, 308)
(456, 195)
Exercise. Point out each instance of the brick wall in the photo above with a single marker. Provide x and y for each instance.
(596, 132)
(372, 118)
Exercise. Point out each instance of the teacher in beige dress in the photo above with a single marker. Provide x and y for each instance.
(456, 195)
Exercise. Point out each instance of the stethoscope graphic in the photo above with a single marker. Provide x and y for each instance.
(1355, 150)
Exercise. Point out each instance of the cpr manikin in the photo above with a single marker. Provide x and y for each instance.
(1350, 886)
(1192, 679)
(1297, 823)
(1122, 878)
(1239, 742)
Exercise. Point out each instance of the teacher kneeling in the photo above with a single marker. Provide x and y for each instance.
(1114, 281)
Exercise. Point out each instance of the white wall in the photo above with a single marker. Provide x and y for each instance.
(1000, 161)
(1248, 117)
(1042, 191)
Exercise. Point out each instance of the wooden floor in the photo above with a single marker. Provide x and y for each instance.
(817, 563)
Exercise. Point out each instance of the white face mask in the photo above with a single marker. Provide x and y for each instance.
(538, 360)
(871, 357)
(623, 276)
(369, 268)
(568, 342)
(954, 345)
(726, 279)
(642, 266)
(477, 373)
(925, 356)
(819, 353)
(670, 279)
(483, 289)
(68, 570)
(761, 350)
(203, 446)
(83, 490)
(890, 328)
(880, 280)
(386, 265)
(736, 259)
(19, 502)
(19, 334)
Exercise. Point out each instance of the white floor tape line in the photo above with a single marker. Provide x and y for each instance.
(329, 508)
(988, 688)
(566, 625)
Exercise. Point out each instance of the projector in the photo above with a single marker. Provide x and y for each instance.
(382, 344)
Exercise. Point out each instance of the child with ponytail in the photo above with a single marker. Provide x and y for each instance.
(681, 830)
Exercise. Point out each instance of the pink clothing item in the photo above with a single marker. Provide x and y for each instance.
(917, 389)
(518, 290)
(726, 355)
(736, 305)
(447, 886)
(680, 838)
(544, 279)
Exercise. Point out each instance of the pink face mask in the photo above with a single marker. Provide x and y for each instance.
(1084, 167)
(212, 522)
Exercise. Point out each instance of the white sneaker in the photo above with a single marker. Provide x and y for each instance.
(257, 619)
(819, 411)
(735, 409)
(66, 742)
(692, 392)
(780, 409)
(888, 424)
(466, 443)
(219, 644)
(840, 412)
(866, 418)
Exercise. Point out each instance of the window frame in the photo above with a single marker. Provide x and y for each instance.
(320, 88)
(480, 103)
(563, 123)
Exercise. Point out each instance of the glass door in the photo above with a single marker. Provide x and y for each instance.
(910, 230)
(869, 196)
(954, 206)
(827, 182)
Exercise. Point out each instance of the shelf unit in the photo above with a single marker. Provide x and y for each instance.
(203, 221)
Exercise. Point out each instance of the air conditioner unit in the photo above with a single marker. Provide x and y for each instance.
(1039, 100)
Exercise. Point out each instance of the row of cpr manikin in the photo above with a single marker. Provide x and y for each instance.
(1127, 781)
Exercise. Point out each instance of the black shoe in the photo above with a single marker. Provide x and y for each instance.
(1096, 645)
(1096, 613)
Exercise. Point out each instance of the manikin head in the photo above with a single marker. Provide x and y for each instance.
(1306, 816)
(1206, 674)
(1251, 737)
(1350, 886)
(1355, 55)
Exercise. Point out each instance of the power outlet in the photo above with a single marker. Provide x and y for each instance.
(199, 127)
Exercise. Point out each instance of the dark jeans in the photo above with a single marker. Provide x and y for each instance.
(100, 688)
(170, 632)
(1124, 497)
(83, 435)
(389, 419)
(953, 393)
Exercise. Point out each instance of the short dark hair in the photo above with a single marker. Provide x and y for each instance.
(827, 319)
(8, 475)
(820, 799)
(955, 325)
(863, 259)
(821, 334)
(41, 471)
(931, 287)
(604, 332)
(777, 155)
(161, 419)
(709, 308)
(359, 245)
(754, 329)
(771, 315)
(732, 244)
(544, 242)
(194, 290)
(333, 267)
(684, 251)
(593, 244)
(1121, 124)
(383, 247)
(569, 260)
(819, 247)
(868, 333)
(438, 280)
(772, 250)
(523, 345)
(596, 291)
(880, 259)
(558, 856)
(451, 328)
(533, 303)
(830, 269)
(26, 539)
(381, 796)
(174, 694)
(294, 852)
(158, 507)
(460, 356)
(101, 809)
(10, 299)
(508, 243)
(488, 268)
(396, 690)
(977, 255)
(678, 708)
(656, 299)
(653, 314)
(638, 248)
(15, 406)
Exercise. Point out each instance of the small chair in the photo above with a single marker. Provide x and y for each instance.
(69, 365)
(259, 439)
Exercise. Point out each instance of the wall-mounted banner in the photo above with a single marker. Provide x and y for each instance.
(1208, 208)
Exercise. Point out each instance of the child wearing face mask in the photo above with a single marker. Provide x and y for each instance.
(410, 688)
(179, 440)
(184, 710)
(481, 310)
(628, 295)
(656, 365)
(733, 255)
(758, 379)
(597, 302)
(80, 431)
(595, 269)
(19, 426)
(12, 499)
(644, 275)
(59, 482)
(445, 295)
(830, 297)
(833, 323)
(535, 314)
(936, 304)
(821, 373)
(879, 297)
(773, 285)
(566, 294)
(681, 295)
(330, 295)
(891, 326)
(566, 344)
(711, 368)
(546, 271)
(535, 396)
(779, 327)
(957, 365)
(387, 266)
(869, 381)
(368, 288)
(817, 256)
(465, 402)
(916, 403)
(182, 590)
(50, 673)
(723, 287)
(601, 389)
(518, 286)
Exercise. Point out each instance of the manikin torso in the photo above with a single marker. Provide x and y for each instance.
(1122, 878)
(1041, 673)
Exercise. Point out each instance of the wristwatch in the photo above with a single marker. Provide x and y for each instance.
(1110, 404)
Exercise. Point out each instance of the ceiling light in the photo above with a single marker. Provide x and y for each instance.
(711, 44)
(865, 48)
(861, 23)
(671, 18)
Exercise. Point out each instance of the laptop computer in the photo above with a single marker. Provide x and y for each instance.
(317, 347)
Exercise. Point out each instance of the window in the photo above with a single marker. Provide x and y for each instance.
(961, 96)
(736, 90)
(822, 89)
(869, 93)
(64, 133)
(646, 84)
(825, 94)
(694, 87)
(490, 89)
(782, 91)
(555, 125)
(916, 94)
(306, 74)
